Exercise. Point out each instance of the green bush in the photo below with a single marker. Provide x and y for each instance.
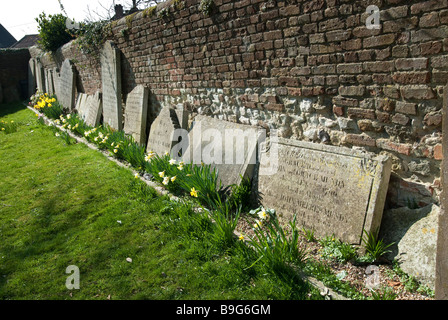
(53, 32)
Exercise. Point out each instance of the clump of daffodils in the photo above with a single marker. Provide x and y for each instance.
(42, 100)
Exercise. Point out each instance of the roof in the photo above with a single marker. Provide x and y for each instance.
(27, 41)
(6, 39)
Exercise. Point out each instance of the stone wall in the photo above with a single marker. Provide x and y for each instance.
(302, 67)
(13, 74)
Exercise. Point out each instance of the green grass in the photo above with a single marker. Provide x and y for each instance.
(65, 204)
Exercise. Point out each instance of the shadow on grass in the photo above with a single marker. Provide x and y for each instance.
(10, 108)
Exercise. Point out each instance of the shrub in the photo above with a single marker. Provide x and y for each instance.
(53, 32)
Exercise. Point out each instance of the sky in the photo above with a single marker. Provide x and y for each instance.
(18, 16)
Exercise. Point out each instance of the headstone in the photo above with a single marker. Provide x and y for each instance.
(331, 190)
(40, 77)
(111, 86)
(66, 85)
(161, 135)
(441, 286)
(90, 108)
(183, 116)
(136, 113)
(230, 148)
(50, 82)
(31, 77)
(81, 103)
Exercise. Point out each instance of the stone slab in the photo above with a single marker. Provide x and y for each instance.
(49, 81)
(90, 108)
(111, 86)
(331, 190)
(413, 233)
(31, 77)
(136, 114)
(66, 85)
(230, 148)
(161, 135)
(40, 77)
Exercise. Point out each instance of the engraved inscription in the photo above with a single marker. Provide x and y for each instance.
(327, 192)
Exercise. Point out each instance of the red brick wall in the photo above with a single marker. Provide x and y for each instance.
(257, 62)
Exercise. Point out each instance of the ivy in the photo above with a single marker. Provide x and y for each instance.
(91, 36)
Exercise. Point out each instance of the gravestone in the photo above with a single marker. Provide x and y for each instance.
(161, 139)
(81, 103)
(90, 108)
(136, 113)
(50, 81)
(331, 190)
(66, 85)
(183, 116)
(111, 86)
(441, 282)
(40, 77)
(229, 147)
(31, 77)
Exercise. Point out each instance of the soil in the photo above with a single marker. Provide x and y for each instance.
(356, 275)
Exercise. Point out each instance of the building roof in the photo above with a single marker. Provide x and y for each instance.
(27, 41)
(6, 39)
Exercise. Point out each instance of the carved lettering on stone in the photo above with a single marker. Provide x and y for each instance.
(111, 86)
(136, 114)
(330, 190)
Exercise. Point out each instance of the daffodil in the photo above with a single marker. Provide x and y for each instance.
(257, 224)
(172, 161)
(115, 150)
(136, 176)
(262, 214)
(162, 174)
(194, 192)
(180, 167)
(241, 237)
(173, 179)
(166, 180)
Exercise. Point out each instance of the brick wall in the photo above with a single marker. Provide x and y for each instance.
(301, 67)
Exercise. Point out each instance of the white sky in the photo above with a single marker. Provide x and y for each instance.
(18, 16)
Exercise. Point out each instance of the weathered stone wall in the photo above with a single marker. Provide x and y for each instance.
(300, 67)
(13, 74)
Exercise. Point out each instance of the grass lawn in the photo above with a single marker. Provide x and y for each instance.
(63, 205)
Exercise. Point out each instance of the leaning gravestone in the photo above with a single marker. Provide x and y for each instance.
(49, 78)
(136, 113)
(31, 77)
(161, 135)
(90, 108)
(111, 85)
(40, 77)
(230, 148)
(66, 85)
(331, 190)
